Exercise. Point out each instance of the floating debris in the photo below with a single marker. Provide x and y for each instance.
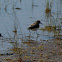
(18, 8)
(35, 5)
(28, 42)
(1, 35)
(7, 54)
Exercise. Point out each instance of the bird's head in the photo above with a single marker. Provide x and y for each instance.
(38, 21)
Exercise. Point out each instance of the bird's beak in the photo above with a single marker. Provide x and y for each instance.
(40, 23)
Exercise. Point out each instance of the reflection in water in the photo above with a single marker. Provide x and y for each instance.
(27, 46)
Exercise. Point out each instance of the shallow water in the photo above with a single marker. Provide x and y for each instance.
(21, 14)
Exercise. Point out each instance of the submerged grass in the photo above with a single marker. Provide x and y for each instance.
(28, 42)
(48, 7)
(48, 10)
(49, 28)
(36, 52)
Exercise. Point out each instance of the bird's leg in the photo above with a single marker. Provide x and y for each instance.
(29, 34)
(37, 34)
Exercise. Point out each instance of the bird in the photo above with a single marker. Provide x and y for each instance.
(34, 26)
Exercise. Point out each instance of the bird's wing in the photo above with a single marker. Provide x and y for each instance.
(32, 26)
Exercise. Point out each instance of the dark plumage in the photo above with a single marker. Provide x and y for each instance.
(35, 26)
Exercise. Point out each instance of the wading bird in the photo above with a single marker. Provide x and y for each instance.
(34, 26)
